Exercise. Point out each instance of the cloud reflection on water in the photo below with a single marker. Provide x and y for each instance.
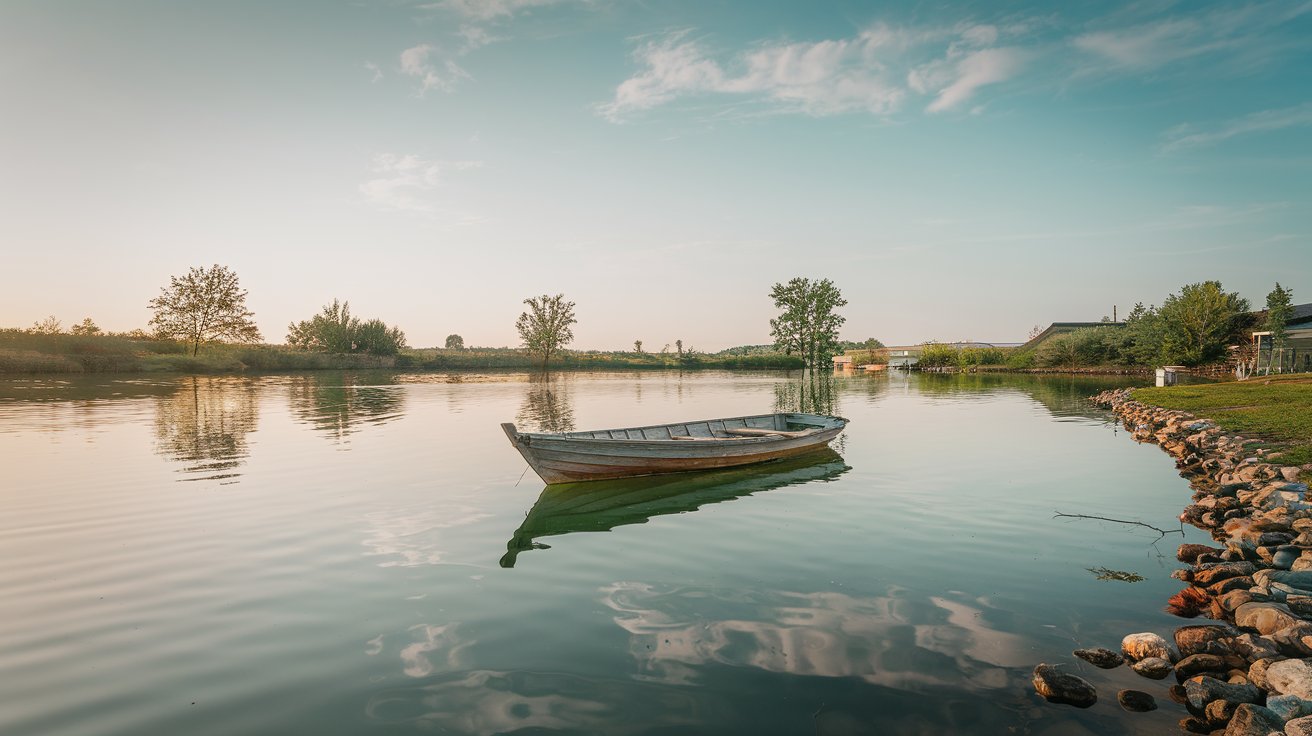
(412, 537)
(488, 701)
(898, 640)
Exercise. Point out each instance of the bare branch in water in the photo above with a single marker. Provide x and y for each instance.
(1160, 532)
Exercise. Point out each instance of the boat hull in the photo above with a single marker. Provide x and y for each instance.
(572, 459)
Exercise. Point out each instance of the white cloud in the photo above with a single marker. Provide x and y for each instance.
(406, 182)
(980, 68)
(476, 37)
(485, 10)
(819, 78)
(1146, 46)
(869, 73)
(375, 69)
(416, 62)
(1189, 136)
(1247, 34)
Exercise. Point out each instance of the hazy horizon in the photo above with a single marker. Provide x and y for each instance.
(960, 172)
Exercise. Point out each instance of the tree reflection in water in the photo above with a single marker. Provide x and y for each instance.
(205, 423)
(338, 406)
(810, 392)
(548, 405)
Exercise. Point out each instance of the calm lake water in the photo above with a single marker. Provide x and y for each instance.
(364, 554)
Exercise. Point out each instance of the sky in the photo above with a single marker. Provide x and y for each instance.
(961, 171)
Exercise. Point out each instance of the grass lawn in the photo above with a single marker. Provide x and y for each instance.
(1277, 410)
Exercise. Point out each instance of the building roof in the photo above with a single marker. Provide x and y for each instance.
(1301, 314)
(1057, 328)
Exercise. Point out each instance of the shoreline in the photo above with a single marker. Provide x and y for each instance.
(1249, 672)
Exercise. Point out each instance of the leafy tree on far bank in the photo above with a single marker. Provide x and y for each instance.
(808, 325)
(1142, 336)
(331, 330)
(85, 327)
(335, 330)
(1279, 307)
(206, 304)
(1199, 322)
(376, 338)
(47, 326)
(455, 342)
(637, 346)
(544, 327)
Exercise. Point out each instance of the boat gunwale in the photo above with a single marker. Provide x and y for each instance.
(835, 422)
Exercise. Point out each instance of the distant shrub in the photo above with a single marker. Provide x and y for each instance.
(936, 355)
(1020, 360)
(193, 364)
(30, 361)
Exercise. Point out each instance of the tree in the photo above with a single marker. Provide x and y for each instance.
(455, 342)
(376, 338)
(1142, 336)
(1060, 350)
(545, 326)
(1198, 322)
(1279, 307)
(1035, 331)
(808, 325)
(206, 304)
(678, 346)
(47, 326)
(85, 327)
(334, 330)
(331, 330)
(637, 346)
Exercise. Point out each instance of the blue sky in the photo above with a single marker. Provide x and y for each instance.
(960, 170)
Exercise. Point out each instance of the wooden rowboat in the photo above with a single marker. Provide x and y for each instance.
(571, 457)
(567, 508)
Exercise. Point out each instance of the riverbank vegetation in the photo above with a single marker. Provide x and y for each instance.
(1275, 413)
(334, 330)
(1193, 327)
(23, 352)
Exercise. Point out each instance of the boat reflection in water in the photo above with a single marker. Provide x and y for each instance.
(599, 506)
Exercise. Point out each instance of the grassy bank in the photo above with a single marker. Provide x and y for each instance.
(23, 353)
(1276, 412)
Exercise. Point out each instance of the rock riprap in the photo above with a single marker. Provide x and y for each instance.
(1250, 672)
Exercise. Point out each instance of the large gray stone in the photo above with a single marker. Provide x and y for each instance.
(1299, 727)
(1196, 664)
(1288, 707)
(1062, 687)
(1266, 618)
(1204, 639)
(1291, 677)
(1291, 578)
(1253, 720)
(1202, 690)
(1154, 668)
(1100, 657)
(1253, 647)
(1145, 645)
(1136, 701)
